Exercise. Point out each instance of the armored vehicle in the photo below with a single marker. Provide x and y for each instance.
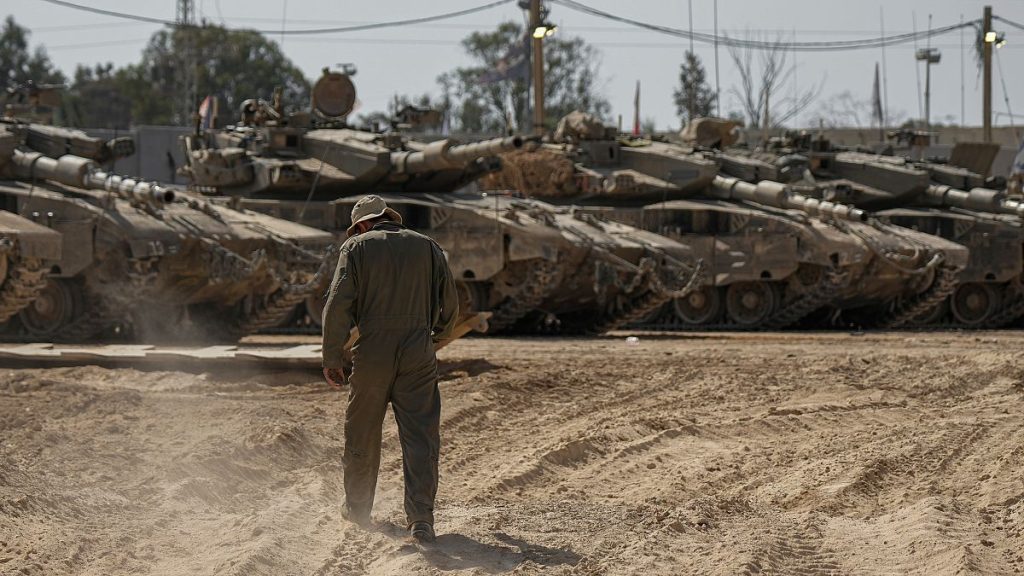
(769, 263)
(943, 200)
(137, 258)
(511, 256)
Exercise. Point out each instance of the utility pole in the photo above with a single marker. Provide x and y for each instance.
(988, 38)
(929, 56)
(185, 19)
(538, 66)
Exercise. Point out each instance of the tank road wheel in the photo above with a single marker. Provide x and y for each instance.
(749, 304)
(974, 303)
(59, 303)
(702, 306)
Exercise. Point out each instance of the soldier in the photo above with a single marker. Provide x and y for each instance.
(395, 286)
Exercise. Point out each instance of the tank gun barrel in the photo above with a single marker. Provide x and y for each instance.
(780, 196)
(84, 173)
(448, 154)
(980, 199)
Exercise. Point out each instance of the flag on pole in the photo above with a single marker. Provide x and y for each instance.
(876, 101)
(207, 112)
(636, 110)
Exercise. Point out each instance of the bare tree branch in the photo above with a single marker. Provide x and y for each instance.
(760, 92)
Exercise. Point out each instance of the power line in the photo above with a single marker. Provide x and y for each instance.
(1008, 22)
(112, 13)
(357, 28)
(767, 45)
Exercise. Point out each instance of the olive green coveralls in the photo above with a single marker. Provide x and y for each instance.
(395, 286)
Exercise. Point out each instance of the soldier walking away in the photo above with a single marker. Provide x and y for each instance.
(395, 286)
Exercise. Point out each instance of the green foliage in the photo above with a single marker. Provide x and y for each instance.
(571, 83)
(18, 64)
(694, 98)
(96, 100)
(232, 65)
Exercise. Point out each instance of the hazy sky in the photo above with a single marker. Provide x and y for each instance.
(408, 59)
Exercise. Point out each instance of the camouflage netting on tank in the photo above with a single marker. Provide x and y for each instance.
(538, 173)
(710, 132)
(576, 126)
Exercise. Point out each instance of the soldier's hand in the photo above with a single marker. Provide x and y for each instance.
(335, 377)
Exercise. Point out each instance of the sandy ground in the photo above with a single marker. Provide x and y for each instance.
(741, 454)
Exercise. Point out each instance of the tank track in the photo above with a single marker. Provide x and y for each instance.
(1009, 313)
(944, 284)
(543, 279)
(652, 295)
(282, 303)
(275, 310)
(25, 280)
(823, 293)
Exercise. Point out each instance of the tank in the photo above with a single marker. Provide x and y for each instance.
(942, 200)
(771, 261)
(518, 260)
(909, 275)
(138, 259)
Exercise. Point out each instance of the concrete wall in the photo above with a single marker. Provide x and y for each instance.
(157, 152)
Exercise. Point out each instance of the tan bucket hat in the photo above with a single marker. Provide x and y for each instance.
(370, 207)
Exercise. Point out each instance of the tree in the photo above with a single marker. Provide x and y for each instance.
(17, 64)
(694, 97)
(231, 65)
(762, 92)
(844, 110)
(501, 105)
(95, 99)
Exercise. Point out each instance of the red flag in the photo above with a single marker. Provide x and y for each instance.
(636, 110)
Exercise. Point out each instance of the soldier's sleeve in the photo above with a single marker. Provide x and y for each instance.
(339, 311)
(447, 297)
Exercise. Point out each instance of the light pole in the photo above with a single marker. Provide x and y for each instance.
(929, 56)
(539, 29)
(990, 38)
